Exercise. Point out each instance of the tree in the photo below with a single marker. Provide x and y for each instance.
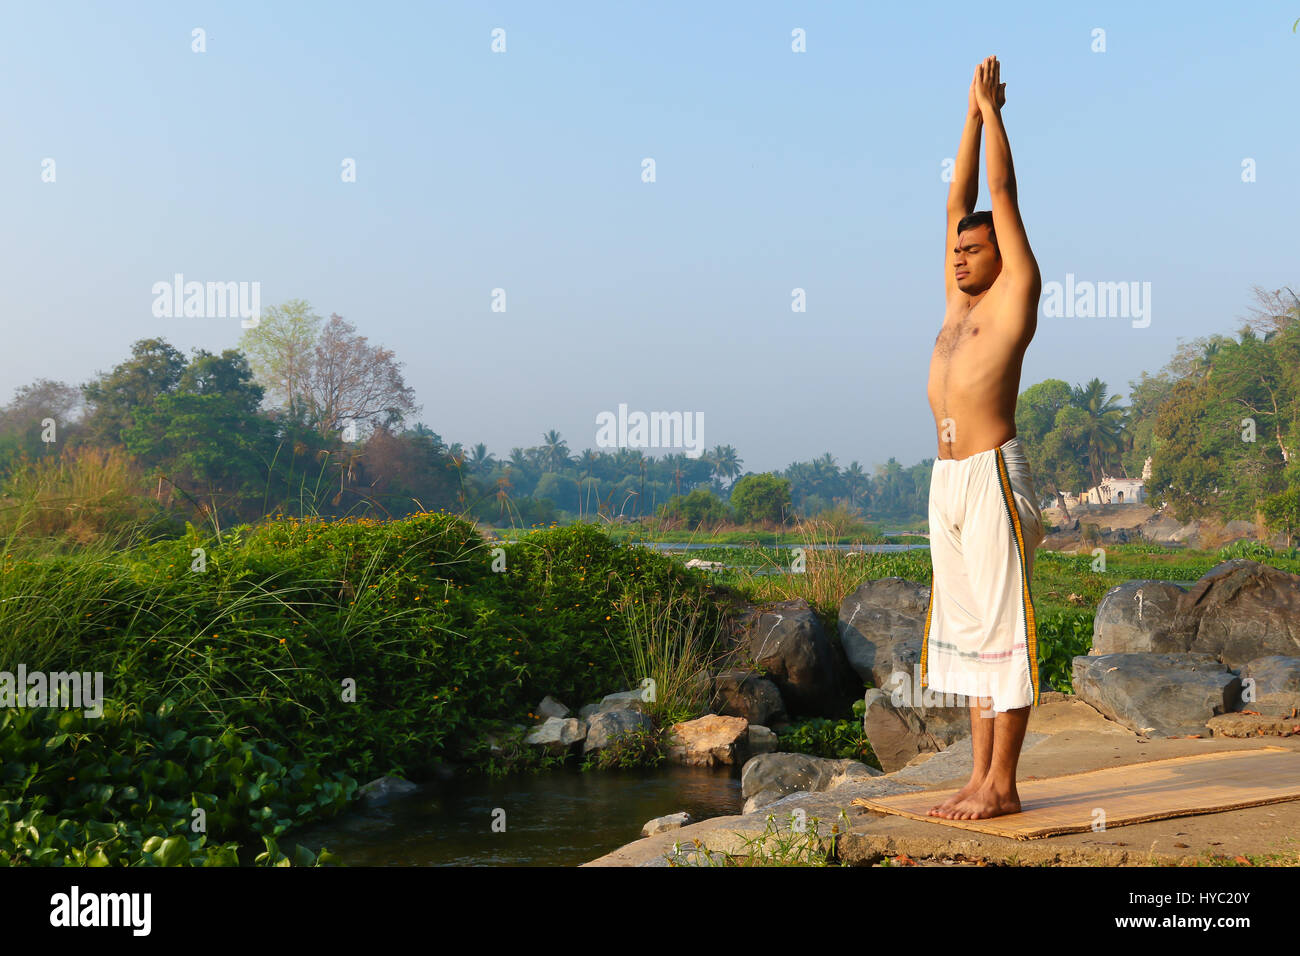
(1187, 472)
(353, 381)
(700, 507)
(22, 420)
(206, 435)
(725, 462)
(154, 369)
(555, 453)
(1104, 436)
(1062, 461)
(280, 351)
(763, 498)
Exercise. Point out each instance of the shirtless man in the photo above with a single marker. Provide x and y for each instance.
(980, 638)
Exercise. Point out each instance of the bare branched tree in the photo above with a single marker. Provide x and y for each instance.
(354, 381)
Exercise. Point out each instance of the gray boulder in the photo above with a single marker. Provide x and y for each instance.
(550, 707)
(673, 821)
(558, 735)
(767, 778)
(1160, 695)
(881, 625)
(1139, 616)
(762, 740)
(383, 789)
(899, 732)
(603, 727)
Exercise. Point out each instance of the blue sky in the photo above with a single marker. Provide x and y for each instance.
(522, 170)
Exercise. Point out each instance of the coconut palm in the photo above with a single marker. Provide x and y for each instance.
(1104, 433)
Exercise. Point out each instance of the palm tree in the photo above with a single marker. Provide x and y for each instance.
(726, 463)
(480, 460)
(1105, 430)
(856, 478)
(555, 453)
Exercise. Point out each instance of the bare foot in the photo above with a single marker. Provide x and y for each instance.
(941, 809)
(986, 802)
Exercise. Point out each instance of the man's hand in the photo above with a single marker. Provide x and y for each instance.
(985, 87)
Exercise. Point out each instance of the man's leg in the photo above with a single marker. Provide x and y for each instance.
(997, 794)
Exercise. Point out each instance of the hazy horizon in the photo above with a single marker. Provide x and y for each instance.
(774, 170)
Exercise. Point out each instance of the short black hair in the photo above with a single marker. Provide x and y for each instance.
(982, 218)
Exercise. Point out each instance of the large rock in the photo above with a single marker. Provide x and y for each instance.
(603, 727)
(738, 693)
(898, 732)
(1274, 685)
(709, 740)
(767, 778)
(1159, 695)
(788, 641)
(558, 735)
(881, 625)
(1242, 610)
(1138, 616)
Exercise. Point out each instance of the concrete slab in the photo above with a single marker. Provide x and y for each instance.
(1064, 736)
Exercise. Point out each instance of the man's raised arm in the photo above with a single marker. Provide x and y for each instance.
(1019, 268)
(965, 186)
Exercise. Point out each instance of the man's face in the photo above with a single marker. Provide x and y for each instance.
(975, 261)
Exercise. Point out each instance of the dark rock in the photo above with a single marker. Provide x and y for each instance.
(788, 641)
(1242, 610)
(743, 694)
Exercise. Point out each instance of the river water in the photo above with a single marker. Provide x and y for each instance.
(555, 818)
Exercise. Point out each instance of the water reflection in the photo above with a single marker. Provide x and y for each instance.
(559, 818)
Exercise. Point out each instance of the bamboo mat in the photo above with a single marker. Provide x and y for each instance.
(1133, 793)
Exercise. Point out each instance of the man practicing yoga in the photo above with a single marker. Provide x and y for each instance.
(985, 521)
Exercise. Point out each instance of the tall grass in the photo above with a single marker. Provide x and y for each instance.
(79, 496)
(675, 641)
(823, 575)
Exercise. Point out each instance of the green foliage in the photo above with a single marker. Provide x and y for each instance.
(699, 508)
(761, 499)
(122, 790)
(1282, 511)
(1062, 636)
(1255, 551)
(835, 739)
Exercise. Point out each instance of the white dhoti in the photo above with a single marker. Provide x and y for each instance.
(980, 639)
